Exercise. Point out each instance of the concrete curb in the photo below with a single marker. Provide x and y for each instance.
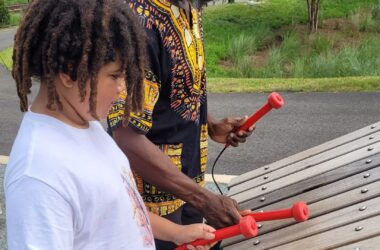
(4, 159)
(220, 178)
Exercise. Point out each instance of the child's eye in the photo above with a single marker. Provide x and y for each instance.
(115, 77)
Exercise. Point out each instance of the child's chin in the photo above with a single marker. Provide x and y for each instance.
(101, 117)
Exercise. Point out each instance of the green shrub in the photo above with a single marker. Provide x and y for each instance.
(320, 44)
(291, 46)
(274, 66)
(300, 67)
(15, 19)
(351, 61)
(245, 66)
(240, 46)
(366, 19)
(376, 12)
(369, 57)
(4, 14)
(367, 24)
(235, 32)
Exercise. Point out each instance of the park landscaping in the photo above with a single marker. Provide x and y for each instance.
(11, 12)
(272, 40)
(265, 47)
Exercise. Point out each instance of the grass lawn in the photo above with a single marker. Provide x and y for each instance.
(341, 84)
(6, 58)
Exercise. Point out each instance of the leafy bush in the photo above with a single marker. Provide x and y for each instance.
(4, 14)
(240, 46)
(366, 20)
(238, 34)
(320, 44)
(291, 46)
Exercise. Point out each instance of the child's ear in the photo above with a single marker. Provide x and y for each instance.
(66, 80)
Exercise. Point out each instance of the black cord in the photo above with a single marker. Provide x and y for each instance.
(212, 169)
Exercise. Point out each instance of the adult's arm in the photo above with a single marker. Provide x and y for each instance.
(156, 168)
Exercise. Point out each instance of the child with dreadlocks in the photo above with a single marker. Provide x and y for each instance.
(67, 184)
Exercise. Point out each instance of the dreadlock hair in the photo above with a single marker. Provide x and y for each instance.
(77, 37)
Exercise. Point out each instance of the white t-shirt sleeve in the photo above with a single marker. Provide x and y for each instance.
(38, 217)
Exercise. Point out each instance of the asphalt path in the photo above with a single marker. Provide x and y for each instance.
(6, 37)
(306, 120)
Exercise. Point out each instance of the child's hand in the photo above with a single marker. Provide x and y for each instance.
(245, 212)
(193, 232)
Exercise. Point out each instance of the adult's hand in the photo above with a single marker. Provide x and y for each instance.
(223, 131)
(220, 211)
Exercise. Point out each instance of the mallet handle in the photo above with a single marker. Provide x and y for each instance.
(275, 101)
(299, 211)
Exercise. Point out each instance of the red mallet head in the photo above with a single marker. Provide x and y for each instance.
(248, 226)
(300, 211)
(275, 100)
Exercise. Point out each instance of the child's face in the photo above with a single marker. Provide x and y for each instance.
(111, 81)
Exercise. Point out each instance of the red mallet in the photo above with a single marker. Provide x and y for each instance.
(247, 227)
(299, 211)
(275, 101)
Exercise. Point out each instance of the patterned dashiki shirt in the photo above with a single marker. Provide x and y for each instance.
(175, 106)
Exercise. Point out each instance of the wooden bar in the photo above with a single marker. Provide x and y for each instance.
(324, 215)
(306, 163)
(308, 172)
(339, 180)
(337, 237)
(321, 187)
(369, 244)
(317, 198)
(306, 154)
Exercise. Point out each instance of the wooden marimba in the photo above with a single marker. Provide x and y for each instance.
(339, 180)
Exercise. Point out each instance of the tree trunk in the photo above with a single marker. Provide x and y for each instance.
(313, 11)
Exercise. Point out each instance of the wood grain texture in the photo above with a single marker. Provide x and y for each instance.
(307, 153)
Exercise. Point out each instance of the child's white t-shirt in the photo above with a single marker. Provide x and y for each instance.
(70, 188)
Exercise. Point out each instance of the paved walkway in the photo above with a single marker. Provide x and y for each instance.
(306, 120)
(6, 37)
